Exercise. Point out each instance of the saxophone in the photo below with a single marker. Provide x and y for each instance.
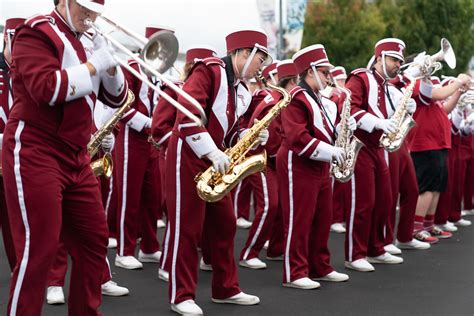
(104, 165)
(213, 186)
(392, 141)
(348, 142)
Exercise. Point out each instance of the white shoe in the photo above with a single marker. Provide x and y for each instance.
(361, 265)
(110, 288)
(338, 228)
(303, 284)
(128, 262)
(385, 258)
(277, 258)
(265, 245)
(243, 223)
(188, 307)
(163, 275)
(413, 244)
(333, 277)
(112, 243)
(160, 223)
(149, 257)
(463, 222)
(392, 249)
(449, 227)
(204, 266)
(467, 212)
(253, 263)
(239, 299)
(55, 295)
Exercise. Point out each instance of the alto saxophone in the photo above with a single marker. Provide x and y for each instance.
(404, 121)
(104, 165)
(348, 142)
(213, 186)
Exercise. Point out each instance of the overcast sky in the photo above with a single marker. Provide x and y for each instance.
(195, 21)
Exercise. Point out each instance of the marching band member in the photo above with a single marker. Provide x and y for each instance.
(45, 160)
(6, 102)
(136, 167)
(309, 127)
(365, 238)
(164, 117)
(217, 85)
(264, 184)
(341, 198)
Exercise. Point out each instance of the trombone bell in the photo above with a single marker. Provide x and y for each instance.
(446, 54)
(161, 51)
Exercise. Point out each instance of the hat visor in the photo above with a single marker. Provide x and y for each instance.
(92, 6)
(269, 59)
(397, 56)
(325, 64)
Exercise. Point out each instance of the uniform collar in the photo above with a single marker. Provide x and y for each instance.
(379, 78)
(63, 25)
(229, 71)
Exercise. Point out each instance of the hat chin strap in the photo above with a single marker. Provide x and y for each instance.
(384, 67)
(318, 80)
(247, 63)
(68, 15)
(273, 78)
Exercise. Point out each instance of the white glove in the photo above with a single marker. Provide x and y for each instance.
(147, 123)
(108, 142)
(352, 125)
(338, 155)
(386, 125)
(328, 153)
(220, 161)
(414, 70)
(470, 118)
(99, 41)
(263, 137)
(103, 59)
(411, 106)
(465, 127)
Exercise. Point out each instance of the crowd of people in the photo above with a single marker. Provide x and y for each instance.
(60, 85)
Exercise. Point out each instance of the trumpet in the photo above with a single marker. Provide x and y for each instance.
(157, 56)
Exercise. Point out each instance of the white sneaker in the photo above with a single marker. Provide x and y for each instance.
(338, 228)
(265, 245)
(110, 288)
(127, 262)
(392, 249)
(303, 284)
(112, 243)
(160, 223)
(277, 258)
(467, 212)
(55, 295)
(413, 244)
(163, 275)
(239, 299)
(188, 307)
(463, 222)
(243, 223)
(449, 227)
(254, 263)
(204, 266)
(361, 265)
(333, 277)
(149, 257)
(385, 258)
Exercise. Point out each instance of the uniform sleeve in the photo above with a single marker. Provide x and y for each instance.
(113, 90)
(164, 117)
(294, 120)
(423, 92)
(364, 119)
(35, 59)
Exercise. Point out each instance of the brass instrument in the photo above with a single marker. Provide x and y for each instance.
(347, 141)
(392, 141)
(104, 165)
(213, 186)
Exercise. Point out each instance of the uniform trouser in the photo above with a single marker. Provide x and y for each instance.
(5, 227)
(445, 202)
(136, 206)
(265, 194)
(57, 272)
(306, 196)
(460, 167)
(369, 209)
(241, 197)
(111, 206)
(162, 187)
(189, 218)
(469, 186)
(276, 245)
(403, 183)
(341, 201)
(50, 188)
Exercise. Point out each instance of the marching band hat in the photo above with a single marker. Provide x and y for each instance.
(393, 47)
(152, 29)
(314, 55)
(339, 73)
(248, 39)
(286, 68)
(94, 5)
(270, 69)
(199, 52)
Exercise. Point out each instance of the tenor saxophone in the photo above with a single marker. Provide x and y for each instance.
(104, 165)
(404, 122)
(348, 142)
(211, 185)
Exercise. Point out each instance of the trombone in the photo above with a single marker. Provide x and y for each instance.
(157, 56)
